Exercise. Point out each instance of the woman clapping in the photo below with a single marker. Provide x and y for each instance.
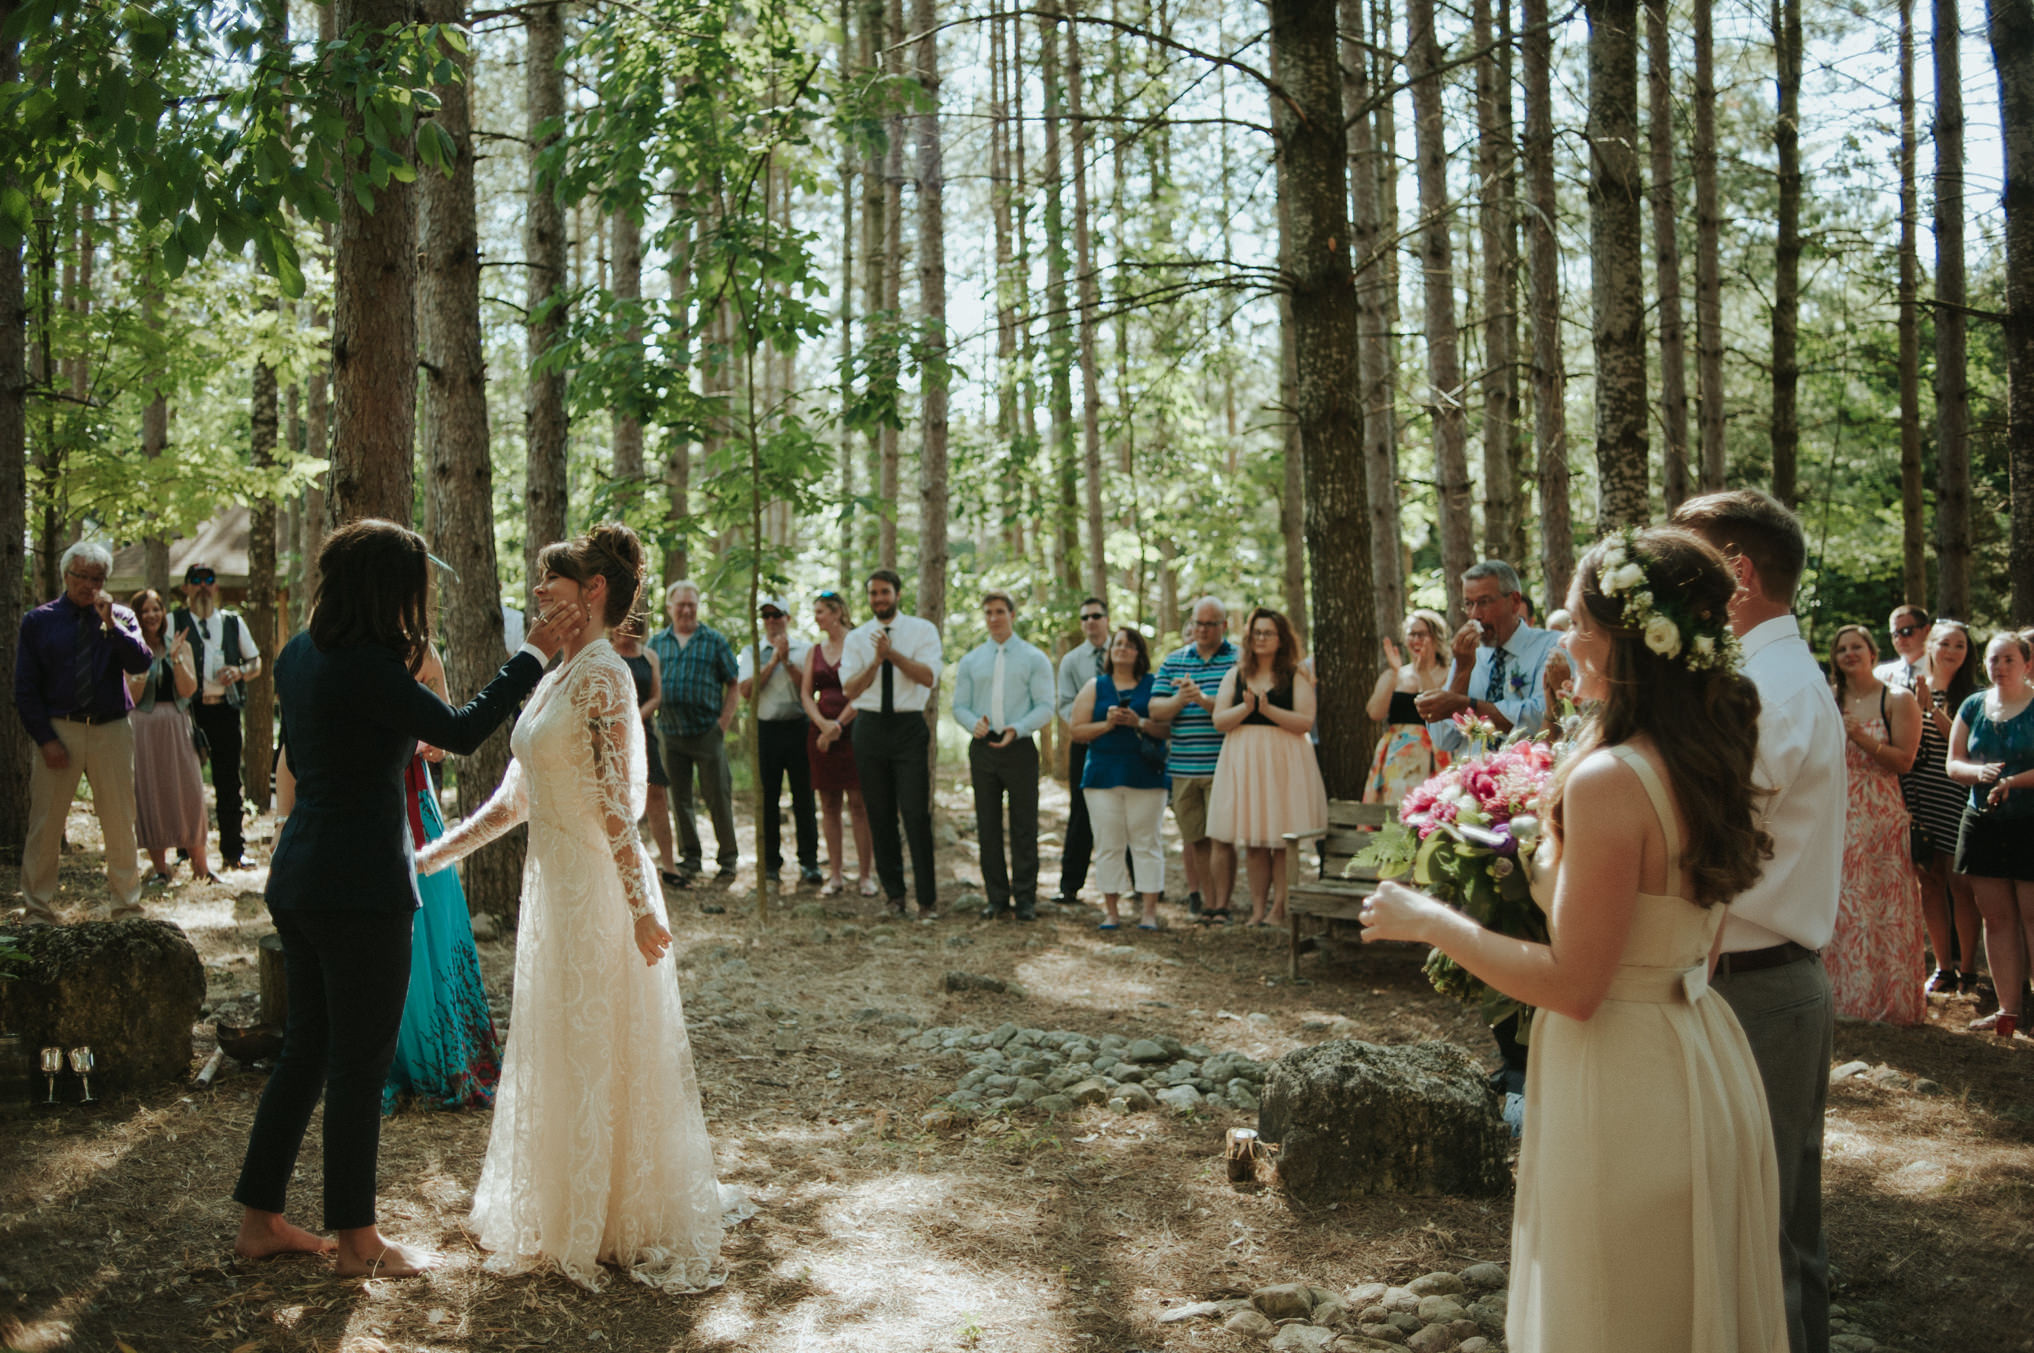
(169, 785)
(1991, 750)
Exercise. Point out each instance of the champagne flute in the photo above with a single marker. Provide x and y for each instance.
(52, 1062)
(82, 1062)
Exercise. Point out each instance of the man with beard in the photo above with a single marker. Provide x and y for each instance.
(888, 668)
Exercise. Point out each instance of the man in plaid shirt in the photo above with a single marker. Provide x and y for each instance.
(700, 694)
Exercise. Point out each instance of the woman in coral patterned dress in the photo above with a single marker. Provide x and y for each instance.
(1406, 758)
(1875, 959)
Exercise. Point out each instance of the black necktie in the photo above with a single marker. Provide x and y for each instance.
(1495, 690)
(84, 668)
(889, 682)
(1101, 661)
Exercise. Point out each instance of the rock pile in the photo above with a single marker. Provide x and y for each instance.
(1057, 1070)
(1437, 1313)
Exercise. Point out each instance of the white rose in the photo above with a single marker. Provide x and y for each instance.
(1705, 645)
(1663, 636)
(1624, 577)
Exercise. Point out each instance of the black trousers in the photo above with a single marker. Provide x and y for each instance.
(780, 747)
(1080, 835)
(220, 724)
(891, 759)
(348, 974)
(999, 773)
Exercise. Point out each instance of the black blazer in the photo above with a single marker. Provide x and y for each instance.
(351, 721)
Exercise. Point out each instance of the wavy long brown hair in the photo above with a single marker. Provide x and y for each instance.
(1703, 721)
(1837, 681)
(1283, 663)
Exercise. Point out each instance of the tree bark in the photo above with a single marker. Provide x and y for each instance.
(15, 749)
(1913, 522)
(458, 471)
(1708, 258)
(2011, 27)
(1313, 151)
(1952, 390)
(544, 252)
(1787, 254)
(1550, 394)
(849, 72)
(1059, 355)
(154, 441)
(374, 326)
(1372, 238)
(1090, 303)
(627, 431)
(933, 373)
(1445, 389)
(258, 740)
(1667, 252)
(1616, 252)
(893, 274)
(1503, 523)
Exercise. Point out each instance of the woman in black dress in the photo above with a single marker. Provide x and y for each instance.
(342, 886)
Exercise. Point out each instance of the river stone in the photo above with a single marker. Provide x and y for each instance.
(1180, 1098)
(1431, 1339)
(1301, 1339)
(1284, 1301)
(1136, 1099)
(1089, 1091)
(1354, 1118)
(1464, 1329)
(1435, 1285)
(1381, 1330)
(1368, 1343)
(1328, 1311)
(1053, 1104)
(1145, 1050)
(1366, 1294)
(1440, 1310)
(1484, 1278)
(130, 990)
(1249, 1322)
(1478, 1344)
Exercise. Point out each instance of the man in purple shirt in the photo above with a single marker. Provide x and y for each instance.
(69, 686)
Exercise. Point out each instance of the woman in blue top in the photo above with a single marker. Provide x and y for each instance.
(1991, 749)
(1125, 795)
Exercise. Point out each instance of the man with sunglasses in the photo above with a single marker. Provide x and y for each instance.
(227, 657)
(1909, 626)
(1083, 663)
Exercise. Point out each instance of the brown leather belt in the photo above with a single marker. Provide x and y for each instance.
(1758, 960)
(91, 718)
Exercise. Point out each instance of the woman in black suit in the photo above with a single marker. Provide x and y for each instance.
(342, 885)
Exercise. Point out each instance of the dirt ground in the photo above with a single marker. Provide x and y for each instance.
(1023, 1234)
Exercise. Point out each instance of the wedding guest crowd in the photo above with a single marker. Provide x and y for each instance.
(169, 784)
(829, 747)
(1002, 695)
(1122, 777)
(780, 739)
(1267, 780)
(1082, 663)
(1991, 751)
(1405, 756)
(1183, 697)
(888, 669)
(1941, 683)
(227, 658)
(700, 693)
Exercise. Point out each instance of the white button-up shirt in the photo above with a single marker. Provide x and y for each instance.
(1800, 759)
(911, 637)
(779, 700)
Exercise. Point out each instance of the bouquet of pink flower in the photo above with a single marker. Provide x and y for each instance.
(1467, 836)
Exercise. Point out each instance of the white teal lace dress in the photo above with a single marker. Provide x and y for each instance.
(599, 1153)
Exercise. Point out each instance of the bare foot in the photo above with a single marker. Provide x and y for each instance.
(264, 1235)
(365, 1254)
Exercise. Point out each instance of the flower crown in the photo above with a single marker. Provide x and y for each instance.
(1702, 641)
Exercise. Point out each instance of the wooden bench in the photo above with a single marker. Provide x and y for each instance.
(1331, 895)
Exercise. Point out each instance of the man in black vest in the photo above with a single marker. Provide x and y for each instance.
(226, 657)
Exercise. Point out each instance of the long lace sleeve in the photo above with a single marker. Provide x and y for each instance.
(605, 700)
(509, 805)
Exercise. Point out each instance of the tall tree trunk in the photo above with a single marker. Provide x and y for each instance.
(1313, 154)
(14, 745)
(258, 741)
(844, 582)
(1372, 237)
(1708, 258)
(1913, 523)
(1503, 522)
(1550, 392)
(154, 441)
(1059, 345)
(893, 271)
(458, 472)
(875, 236)
(677, 451)
(2011, 25)
(1616, 253)
(627, 433)
(932, 374)
(1952, 391)
(1010, 485)
(1292, 523)
(1667, 252)
(1090, 302)
(374, 324)
(1445, 390)
(544, 251)
(1787, 254)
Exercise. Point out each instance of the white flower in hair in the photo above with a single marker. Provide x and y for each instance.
(1663, 636)
(1623, 578)
(1705, 647)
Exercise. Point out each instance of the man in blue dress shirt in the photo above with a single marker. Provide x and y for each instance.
(1003, 694)
(1500, 661)
(70, 688)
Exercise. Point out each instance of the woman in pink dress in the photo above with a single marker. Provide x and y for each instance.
(828, 748)
(1875, 960)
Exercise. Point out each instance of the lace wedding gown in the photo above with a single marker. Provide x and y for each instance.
(599, 1152)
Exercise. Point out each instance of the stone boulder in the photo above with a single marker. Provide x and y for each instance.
(129, 989)
(1355, 1118)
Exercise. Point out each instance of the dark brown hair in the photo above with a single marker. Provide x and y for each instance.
(1837, 680)
(1136, 637)
(134, 605)
(1703, 721)
(374, 587)
(1964, 680)
(1283, 663)
(1757, 526)
(610, 550)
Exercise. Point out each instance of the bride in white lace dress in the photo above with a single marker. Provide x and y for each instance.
(599, 1152)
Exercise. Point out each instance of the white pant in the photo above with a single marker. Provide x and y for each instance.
(1128, 819)
(103, 754)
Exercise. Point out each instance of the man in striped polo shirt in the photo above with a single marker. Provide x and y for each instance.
(1184, 694)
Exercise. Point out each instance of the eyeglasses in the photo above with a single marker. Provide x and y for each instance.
(1096, 615)
(1906, 631)
(772, 615)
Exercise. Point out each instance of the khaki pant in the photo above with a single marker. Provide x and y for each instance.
(104, 755)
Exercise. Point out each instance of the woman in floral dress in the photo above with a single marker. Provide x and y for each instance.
(1406, 757)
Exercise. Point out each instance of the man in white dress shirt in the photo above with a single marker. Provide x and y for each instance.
(1002, 694)
(888, 668)
(1771, 969)
(1908, 628)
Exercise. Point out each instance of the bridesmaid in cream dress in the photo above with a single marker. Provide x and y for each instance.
(599, 1153)
(1647, 1218)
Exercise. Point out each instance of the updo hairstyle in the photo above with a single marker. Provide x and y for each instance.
(610, 550)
